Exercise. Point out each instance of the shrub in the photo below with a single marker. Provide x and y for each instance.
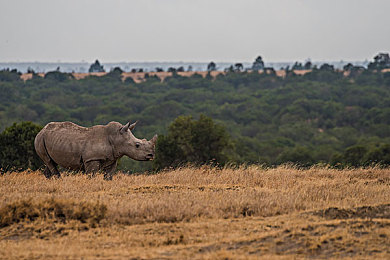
(193, 141)
(17, 147)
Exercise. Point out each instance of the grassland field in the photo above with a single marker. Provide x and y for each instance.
(198, 213)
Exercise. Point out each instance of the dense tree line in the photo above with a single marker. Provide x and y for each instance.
(325, 115)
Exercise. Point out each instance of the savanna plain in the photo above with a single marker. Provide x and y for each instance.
(198, 213)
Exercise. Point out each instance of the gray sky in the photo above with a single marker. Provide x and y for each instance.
(197, 30)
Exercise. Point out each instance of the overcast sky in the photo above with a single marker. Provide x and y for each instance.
(193, 30)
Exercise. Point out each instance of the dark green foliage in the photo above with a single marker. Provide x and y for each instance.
(211, 66)
(297, 155)
(17, 150)
(298, 66)
(258, 64)
(58, 76)
(9, 75)
(308, 65)
(114, 75)
(381, 61)
(379, 155)
(193, 141)
(354, 155)
(359, 155)
(96, 67)
(270, 118)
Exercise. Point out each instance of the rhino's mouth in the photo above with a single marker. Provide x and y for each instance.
(149, 157)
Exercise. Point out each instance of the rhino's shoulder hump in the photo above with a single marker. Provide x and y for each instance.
(113, 126)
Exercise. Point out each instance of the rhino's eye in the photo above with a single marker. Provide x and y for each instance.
(137, 145)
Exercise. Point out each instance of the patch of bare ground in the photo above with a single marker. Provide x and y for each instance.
(200, 213)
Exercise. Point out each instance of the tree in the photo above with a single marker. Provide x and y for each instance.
(348, 67)
(96, 67)
(58, 75)
(353, 156)
(211, 66)
(192, 141)
(30, 70)
(115, 74)
(380, 155)
(230, 69)
(258, 64)
(117, 70)
(298, 155)
(381, 61)
(238, 67)
(297, 66)
(9, 75)
(327, 67)
(17, 150)
(308, 65)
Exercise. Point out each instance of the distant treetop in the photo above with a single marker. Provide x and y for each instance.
(211, 66)
(381, 61)
(96, 67)
(258, 64)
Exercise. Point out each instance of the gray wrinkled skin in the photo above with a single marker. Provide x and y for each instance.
(93, 149)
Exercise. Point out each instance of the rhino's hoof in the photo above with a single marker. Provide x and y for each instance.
(108, 177)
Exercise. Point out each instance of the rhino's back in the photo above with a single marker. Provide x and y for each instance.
(65, 126)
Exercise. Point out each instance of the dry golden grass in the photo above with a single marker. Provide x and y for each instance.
(198, 213)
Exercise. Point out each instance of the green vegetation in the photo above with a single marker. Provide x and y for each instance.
(322, 116)
(17, 147)
(96, 67)
(193, 141)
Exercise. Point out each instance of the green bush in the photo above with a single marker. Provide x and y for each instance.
(17, 150)
(193, 141)
(379, 155)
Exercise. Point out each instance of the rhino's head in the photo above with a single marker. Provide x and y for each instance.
(127, 144)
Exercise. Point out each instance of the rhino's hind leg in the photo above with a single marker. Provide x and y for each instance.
(51, 166)
(47, 172)
(51, 171)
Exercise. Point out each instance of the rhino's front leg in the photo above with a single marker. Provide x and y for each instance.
(91, 167)
(109, 171)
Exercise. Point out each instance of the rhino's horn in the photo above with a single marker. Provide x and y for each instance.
(128, 126)
(131, 127)
(154, 139)
(125, 128)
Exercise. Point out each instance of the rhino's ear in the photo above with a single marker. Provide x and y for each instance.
(154, 139)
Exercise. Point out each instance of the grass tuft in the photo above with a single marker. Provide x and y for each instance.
(56, 210)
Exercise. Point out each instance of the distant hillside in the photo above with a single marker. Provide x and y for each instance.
(325, 115)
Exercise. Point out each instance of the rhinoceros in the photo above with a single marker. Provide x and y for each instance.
(92, 149)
